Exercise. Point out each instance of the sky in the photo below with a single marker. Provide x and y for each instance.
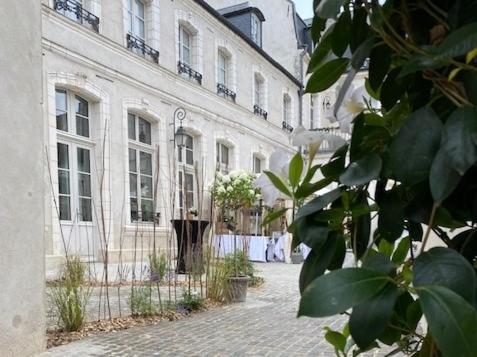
(304, 8)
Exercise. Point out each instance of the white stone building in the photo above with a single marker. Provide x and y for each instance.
(114, 73)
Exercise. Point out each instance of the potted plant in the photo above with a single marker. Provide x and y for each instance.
(191, 213)
(296, 256)
(233, 192)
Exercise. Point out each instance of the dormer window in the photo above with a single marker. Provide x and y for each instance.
(256, 29)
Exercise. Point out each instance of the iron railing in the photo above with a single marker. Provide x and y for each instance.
(139, 46)
(224, 91)
(79, 12)
(185, 68)
(260, 112)
(287, 127)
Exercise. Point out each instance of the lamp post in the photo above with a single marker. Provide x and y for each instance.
(180, 133)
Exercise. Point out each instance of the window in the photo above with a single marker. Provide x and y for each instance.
(136, 22)
(256, 30)
(141, 196)
(222, 69)
(186, 153)
(223, 158)
(312, 111)
(185, 46)
(70, 105)
(74, 157)
(186, 169)
(286, 109)
(257, 165)
(258, 91)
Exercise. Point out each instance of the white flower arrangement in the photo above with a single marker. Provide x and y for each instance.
(235, 190)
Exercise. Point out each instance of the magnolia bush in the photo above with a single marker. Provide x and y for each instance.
(409, 173)
(234, 190)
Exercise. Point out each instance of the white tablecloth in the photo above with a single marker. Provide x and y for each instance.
(255, 245)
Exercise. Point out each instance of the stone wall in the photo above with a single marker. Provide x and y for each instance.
(22, 329)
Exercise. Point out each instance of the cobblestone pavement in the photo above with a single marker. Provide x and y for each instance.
(266, 325)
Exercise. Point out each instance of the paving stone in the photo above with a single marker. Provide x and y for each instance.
(266, 325)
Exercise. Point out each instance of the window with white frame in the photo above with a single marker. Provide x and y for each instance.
(257, 164)
(256, 30)
(222, 68)
(286, 109)
(74, 152)
(223, 158)
(258, 91)
(186, 170)
(185, 46)
(141, 193)
(136, 19)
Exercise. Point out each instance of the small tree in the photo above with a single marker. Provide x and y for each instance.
(231, 193)
(410, 164)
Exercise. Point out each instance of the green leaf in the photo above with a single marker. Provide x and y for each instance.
(311, 233)
(321, 51)
(306, 188)
(359, 28)
(341, 33)
(295, 170)
(326, 75)
(336, 339)
(459, 138)
(336, 165)
(391, 216)
(379, 63)
(328, 9)
(317, 27)
(340, 290)
(446, 267)
(317, 262)
(413, 149)
(278, 183)
(452, 321)
(370, 318)
(443, 177)
(392, 89)
(318, 203)
(379, 262)
(386, 247)
(362, 53)
(401, 251)
(273, 215)
(459, 42)
(340, 253)
(362, 171)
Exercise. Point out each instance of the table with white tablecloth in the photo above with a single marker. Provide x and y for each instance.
(259, 248)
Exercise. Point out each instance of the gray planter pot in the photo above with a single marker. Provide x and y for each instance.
(238, 289)
(296, 258)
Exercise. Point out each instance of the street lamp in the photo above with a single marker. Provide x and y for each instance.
(180, 135)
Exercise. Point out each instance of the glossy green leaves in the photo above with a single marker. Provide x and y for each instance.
(340, 290)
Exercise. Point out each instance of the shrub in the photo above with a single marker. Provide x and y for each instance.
(192, 301)
(72, 296)
(157, 266)
(141, 301)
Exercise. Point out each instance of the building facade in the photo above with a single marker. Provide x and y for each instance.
(115, 74)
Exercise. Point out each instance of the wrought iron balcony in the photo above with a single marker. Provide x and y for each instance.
(224, 91)
(260, 112)
(75, 11)
(139, 46)
(287, 127)
(185, 68)
(327, 145)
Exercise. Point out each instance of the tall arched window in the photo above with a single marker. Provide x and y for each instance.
(186, 170)
(74, 153)
(136, 19)
(141, 177)
(224, 153)
(286, 109)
